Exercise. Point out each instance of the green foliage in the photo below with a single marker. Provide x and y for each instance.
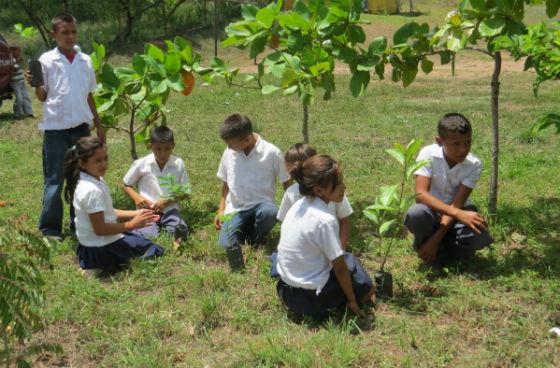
(391, 203)
(28, 34)
(138, 92)
(22, 293)
(176, 191)
(546, 121)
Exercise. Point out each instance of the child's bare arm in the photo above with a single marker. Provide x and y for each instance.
(140, 201)
(222, 206)
(344, 232)
(140, 219)
(343, 276)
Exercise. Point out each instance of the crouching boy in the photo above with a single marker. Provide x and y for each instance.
(445, 224)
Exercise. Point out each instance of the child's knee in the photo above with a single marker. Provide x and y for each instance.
(418, 218)
(267, 211)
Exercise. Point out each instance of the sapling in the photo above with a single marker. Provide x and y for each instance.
(176, 192)
(389, 207)
(31, 52)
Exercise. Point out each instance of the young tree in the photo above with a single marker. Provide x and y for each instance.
(304, 45)
(139, 92)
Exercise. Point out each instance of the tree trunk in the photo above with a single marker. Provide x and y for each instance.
(215, 28)
(131, 136)
(165, 20)
(28, 9)
(493, 198)
(305, 128)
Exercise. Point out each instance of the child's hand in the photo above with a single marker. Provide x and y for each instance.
(142, 202)
(355, 309)
(160, 205)
(143, 218)
(473, 220)
(218, 221)
(28, 76)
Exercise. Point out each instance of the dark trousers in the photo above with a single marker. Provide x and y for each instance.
(251, 226)
(460, 241)
(55, 145)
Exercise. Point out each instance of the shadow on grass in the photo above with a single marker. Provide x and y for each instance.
(7, 119)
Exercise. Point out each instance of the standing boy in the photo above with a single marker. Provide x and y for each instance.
(68, 112)
(22, 103)
(145, 174)
(445, 224)
(249, 169)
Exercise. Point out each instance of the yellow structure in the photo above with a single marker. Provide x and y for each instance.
(383, 6)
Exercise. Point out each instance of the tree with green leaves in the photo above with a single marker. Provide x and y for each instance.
(301, 46)
(132, 98)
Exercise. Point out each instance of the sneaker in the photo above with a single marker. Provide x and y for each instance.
(235, 258)
(57, 238)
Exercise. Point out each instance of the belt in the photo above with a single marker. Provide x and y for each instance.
(77, 127)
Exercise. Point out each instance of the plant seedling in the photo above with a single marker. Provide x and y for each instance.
(389, 207)
(176, 192)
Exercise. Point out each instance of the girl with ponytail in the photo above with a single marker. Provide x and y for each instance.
(103, 233)
(294, 158)
(316, 275)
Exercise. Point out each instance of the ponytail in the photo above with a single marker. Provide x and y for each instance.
(318, 170)
(295, 157)
(83, 149)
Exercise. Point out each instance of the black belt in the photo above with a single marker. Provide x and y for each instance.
(82, 125)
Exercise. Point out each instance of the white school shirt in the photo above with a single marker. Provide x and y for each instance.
(445, 181)
(145, 173)
(292, 195)
(92, 195)
(309, 242)
(67, 85)
(252, 178)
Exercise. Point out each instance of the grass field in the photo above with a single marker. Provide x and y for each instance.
(187, 310)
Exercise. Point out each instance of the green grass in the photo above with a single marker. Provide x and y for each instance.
(187, 310)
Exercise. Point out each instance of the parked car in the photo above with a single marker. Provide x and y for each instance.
(6, 70)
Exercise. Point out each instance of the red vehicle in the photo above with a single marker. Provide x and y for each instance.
(6, 70)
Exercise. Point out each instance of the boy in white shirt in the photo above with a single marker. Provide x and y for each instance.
(145, 174)
(68, 114)
(249, 169)
(445, 224)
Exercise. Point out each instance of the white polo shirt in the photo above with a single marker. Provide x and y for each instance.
(67, 85)
(92, 196)
(445, 181)
(252, 178)
(292, 194)
(145, 173)
(309, 242)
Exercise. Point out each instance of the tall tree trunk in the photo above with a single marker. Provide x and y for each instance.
(165, 20)
(493, 198)
(43, 30)
(215, 28)
(305, 127)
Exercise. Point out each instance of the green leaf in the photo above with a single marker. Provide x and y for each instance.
(412, 148)
(266, 16)
(415, 166)
(378, 46)
(404, 33)
(445, 57)
(172, 63)
(290, 90)
(159, 87)
(356, 34)
(386, 226)
(359, 82)
(427, 65)
(368, 65)
(409, 73)
(268, 89)
(399, 156)
(371, 215)
(387, 195)
(258, 45)
(138, 64)
(249, 11)
(154, 52)
(491, 27)
(107, 77)
(552, 7)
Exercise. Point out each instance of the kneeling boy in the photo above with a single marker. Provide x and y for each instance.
(145, 173)
(445, 224)
(249, 169)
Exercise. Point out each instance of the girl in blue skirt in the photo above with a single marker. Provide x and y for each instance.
(316, 275)
(105, 240)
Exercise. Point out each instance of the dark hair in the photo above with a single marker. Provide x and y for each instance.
(298, 153)
(318, 170)
(83, 149)
(236, 126)
(453, 123)
(162, 134)
(61, 18)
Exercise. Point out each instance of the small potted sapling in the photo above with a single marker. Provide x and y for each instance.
(390, 206)
(176, 192)
(31, 51)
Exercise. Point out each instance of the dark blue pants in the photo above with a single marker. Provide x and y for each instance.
(460, 241)
(55, 145)
(251, 226)
(168, 222)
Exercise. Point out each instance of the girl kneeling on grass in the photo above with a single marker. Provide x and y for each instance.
(316, 276)
(104, 243)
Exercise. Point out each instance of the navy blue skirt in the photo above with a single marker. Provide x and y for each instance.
(305, 302)
(115, 256)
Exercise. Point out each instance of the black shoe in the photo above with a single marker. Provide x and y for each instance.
(181, 232)
(235, 258)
